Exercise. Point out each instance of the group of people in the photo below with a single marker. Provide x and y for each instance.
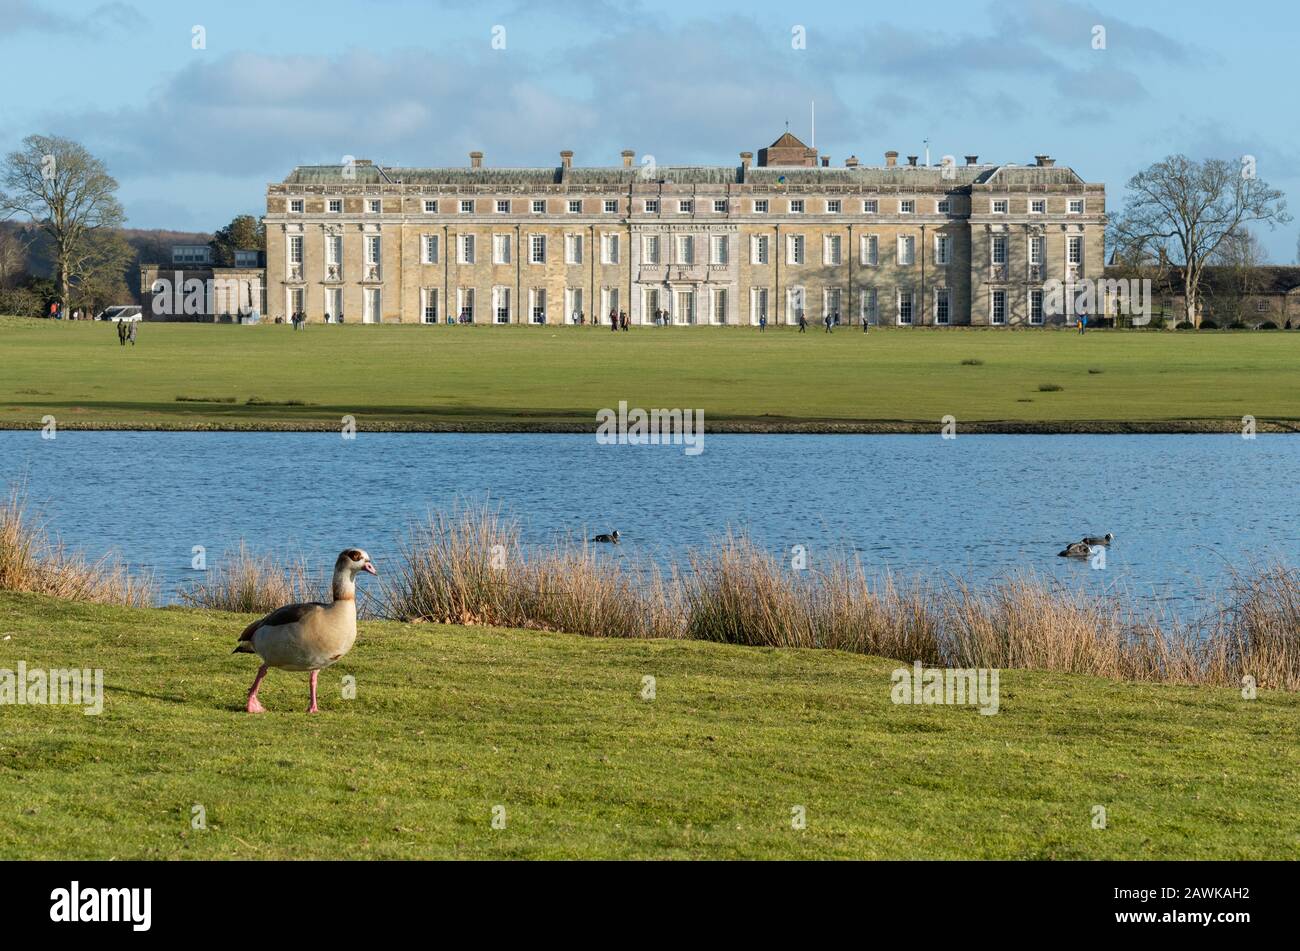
(126, 331)
(299, 319)
(830, 322)
(618, 320)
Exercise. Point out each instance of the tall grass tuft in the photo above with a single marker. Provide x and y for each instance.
(31, 562)
(249, 583)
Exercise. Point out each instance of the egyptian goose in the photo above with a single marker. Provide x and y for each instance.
(611, 538)
(308, 636)
(1094, 540)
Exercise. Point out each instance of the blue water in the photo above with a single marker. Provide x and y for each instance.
(1182, 507)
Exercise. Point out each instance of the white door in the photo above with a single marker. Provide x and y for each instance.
(373, 312)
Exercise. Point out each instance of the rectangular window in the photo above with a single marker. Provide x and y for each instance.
(429, 305)
(537, 249)
(685, 307)
(465, 304)
(430, 206)
(373, 206)
(686, 206)
(465, 248)
(1035, 307)
(719, 315)
(503, 206)
(870, 251)
(1037, 206)
(608, 304)
(335, 206)
(796, 206)
(539, 206)
(757, 304)
(685, 249)
(718, 249)
(650, 249)
(652, 206)
(537, 305)
(941, 306)
(942, 206)
(1036, 249)
(832, 206)
(334, 250)
(610, 249)
(1074, 249)
(373, 249)
(760, 206)
(868, 310)
(831, 297)
(794, 249)
(501, 249)
(611, 206)
(295, 206)
(720, 206)
(500, 305)
(998, 249)
(575, 206)
(573, 303)
(467, 206)
(999, 206)
(372, 306)
(295, 249)
(905, 307)
(1076, 206)
(428, 249)
(907, 206)
(942, 248)
(831, 250)
(573, 249)
(870, 206)
(999, 308)
(906, 249)
(758, 249)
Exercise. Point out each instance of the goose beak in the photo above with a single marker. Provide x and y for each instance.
(369, 568)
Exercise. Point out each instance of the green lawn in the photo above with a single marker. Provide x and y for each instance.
(426, 377)
(449, 722)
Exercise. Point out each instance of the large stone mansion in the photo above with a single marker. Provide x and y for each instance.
(902, 243)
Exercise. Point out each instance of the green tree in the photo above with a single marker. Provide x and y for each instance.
(67, 192)
(244, 233)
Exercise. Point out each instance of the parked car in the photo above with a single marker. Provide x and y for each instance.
(127, 312)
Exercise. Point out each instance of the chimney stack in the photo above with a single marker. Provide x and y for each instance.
(891, 158)
(566, 158)
(851, 162)
(972, 160)
(746, 159)
(826, 161)
(1044, 161)
(628, 155)
(475, 159)
(911, 160)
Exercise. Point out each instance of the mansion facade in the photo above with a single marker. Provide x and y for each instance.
(787, 235)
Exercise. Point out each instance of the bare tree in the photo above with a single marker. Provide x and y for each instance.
(67, 192)
(1237, 259)
(14, 243)
(1186, 209)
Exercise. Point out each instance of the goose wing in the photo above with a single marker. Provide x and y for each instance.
(289, 614)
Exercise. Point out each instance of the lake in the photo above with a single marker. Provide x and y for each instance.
(1182, 507)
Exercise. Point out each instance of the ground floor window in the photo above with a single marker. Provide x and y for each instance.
(720, 305)
(373, 311)
(794, 305)
(998, 309)
(501, 305)
(429, 305)
(757, 304)
(1035, 307)
(831, 302)
(905, 302)
(573, 304)
(295, 301)
(941, 313)
(465, 305)
(608, 304)
(537, 305)
(869, 311)
(685, 307)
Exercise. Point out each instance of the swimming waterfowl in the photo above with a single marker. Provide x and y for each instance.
(611, 538)
(1076, 550)
(1094, 540)
(308, 636)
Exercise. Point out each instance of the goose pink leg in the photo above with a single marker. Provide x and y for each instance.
(313, 708)
(254, 706)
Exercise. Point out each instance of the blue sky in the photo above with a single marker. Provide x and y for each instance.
(193, 135)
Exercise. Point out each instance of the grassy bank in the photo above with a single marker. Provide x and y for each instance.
(449, 722)
(194, 376)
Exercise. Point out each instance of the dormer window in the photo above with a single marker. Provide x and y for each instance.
(907, 206)
(295, 206)
(999, 206)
